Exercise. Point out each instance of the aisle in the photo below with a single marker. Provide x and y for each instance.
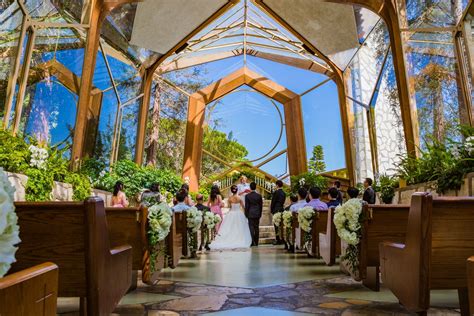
(263, 281)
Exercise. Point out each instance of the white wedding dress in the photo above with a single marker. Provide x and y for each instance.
(234, 232)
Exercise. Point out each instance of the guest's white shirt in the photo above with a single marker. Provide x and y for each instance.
(180, 207)
(296, 207)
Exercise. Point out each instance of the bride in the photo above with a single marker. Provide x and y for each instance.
(234, 232)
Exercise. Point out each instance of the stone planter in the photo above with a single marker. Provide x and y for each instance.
(403, 195)
(105, 195)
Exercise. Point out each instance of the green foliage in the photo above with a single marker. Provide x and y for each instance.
(39, 185)
(446, 162)
(14, 153)
(386, 186)
(81, 185)
(15, 157)
(136, 178)
(92, 168)
(308, 180)
(316, 162)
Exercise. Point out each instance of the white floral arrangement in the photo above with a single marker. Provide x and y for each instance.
(160, 219)
(347, 218)
(302, 182)
(277, 217)
(187, 180)
(9, 229)
(305, 218)
(217, 183)
(39, 157)
(211, 220)
(194, 219)
(287, 217)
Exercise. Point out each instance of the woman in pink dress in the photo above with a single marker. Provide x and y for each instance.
(216, 204)
(119, 199)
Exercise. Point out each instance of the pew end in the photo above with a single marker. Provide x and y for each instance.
(439, 238)
(329, 242)
(32, 291)
(470, 283)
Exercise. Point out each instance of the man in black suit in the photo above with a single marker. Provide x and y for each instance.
(253, 212)
(369, 193)
(277, 206)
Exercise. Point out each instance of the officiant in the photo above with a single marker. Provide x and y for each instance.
(243, 188)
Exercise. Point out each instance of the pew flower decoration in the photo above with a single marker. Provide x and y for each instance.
(277, 217)
(217, 219)
(287, 219)
(159, 218)
(210, 220)
(305, 218)
(194, 219)
(9, 230)
(347, 219)
(39, 157)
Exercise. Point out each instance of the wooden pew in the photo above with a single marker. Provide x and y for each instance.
(74, 236)
(129, 226)
(177, 240)
(381, 223)
(440, 236)
(470, 283)
(32, 291)
(294, 225)
(329, 241)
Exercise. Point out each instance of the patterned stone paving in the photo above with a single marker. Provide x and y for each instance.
(330, 296)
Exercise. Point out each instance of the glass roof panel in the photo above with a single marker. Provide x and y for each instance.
(434, 13)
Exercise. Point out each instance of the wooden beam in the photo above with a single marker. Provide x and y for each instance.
(20, 97)
(347, 122)
(296, 143)
(278, 154)
(147, 84)
(193, 142)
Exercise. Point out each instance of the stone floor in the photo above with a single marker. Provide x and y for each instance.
(264, 281)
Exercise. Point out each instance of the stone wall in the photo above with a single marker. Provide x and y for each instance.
(403, 195)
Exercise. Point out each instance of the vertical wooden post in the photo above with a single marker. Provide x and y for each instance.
(462, 80)
(24, 79)
(347, 122)
(12, 80)
(296, 153)
(143, 116)
(97, 16)
(407, 101)
(193, 143)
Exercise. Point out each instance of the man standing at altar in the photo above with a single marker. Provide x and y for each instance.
(277, 205)
(243, 188)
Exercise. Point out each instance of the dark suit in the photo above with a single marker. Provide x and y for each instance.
(369, 195)
(278, 205)
(253, 212)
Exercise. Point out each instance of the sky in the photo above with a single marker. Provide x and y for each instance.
(255, 123)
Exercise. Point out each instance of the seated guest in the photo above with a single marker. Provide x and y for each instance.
(334, 201)
(199, 204)
(302, 193)
(315, 202)
(151, 196)
(119, 199)
(181, 205)
(188, 200)
(293, 200)
(369, 193)
(353, 193)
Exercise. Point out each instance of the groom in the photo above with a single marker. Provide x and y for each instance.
(253, 212)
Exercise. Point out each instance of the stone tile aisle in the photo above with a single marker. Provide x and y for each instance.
(329, 294)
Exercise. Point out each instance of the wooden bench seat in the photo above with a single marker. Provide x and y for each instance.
(177, 240)
(129, 225)
(329, 241)
(32, 291)
(74, 236)
(439, 238)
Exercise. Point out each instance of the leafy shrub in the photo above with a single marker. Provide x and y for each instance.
(80, 184)
(136, 178)
(386, 186)
(308, 180)
(39, 186)
(14, 153)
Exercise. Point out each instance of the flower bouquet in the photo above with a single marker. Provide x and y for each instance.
(277, 217)
(9, 230)
(305, 220)
(194, 220)
(347, 219)
(210, 220)
(287, 217)
(160, 220)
